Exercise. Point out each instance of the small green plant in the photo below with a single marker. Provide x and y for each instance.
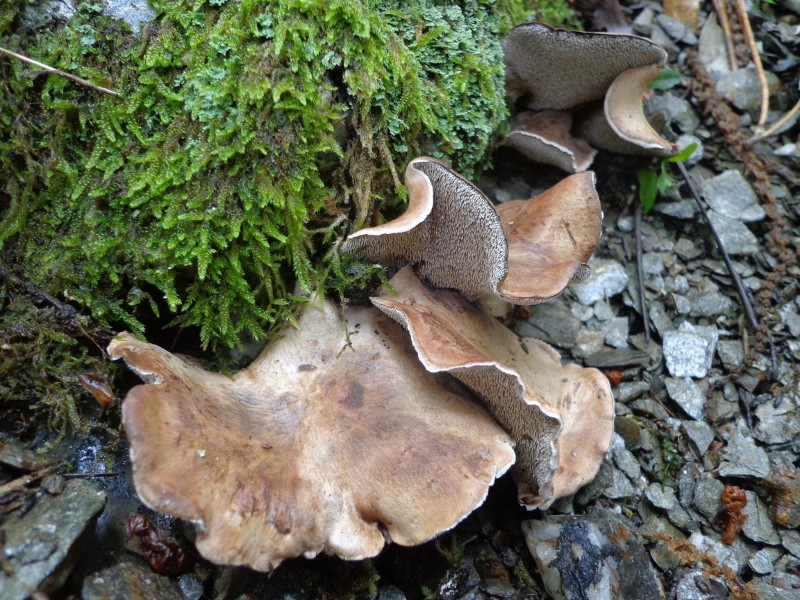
(653, 182)
(666, 80)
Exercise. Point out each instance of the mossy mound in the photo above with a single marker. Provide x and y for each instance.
(246, 138)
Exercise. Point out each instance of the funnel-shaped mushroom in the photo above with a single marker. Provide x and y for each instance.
(561, 417)
(556, 69)
(525, 251)
(620, 124)
(311, 447)
(544, 137)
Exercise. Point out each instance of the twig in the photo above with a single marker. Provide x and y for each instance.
(86, 475)
(640, 272)
(744, 297)
(50, 69)
(21, 482)
(776, 125)
(744, 20)
(725, 23)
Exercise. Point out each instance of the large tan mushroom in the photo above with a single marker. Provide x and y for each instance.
(525, 251)
(314, 447)
(561, 417)
(603, 76)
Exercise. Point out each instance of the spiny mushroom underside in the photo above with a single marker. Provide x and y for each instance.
(550, 239)
(525, 251)
(561, 417)
(545, 137)
(306, 451)
(450, 232)
(555, 69)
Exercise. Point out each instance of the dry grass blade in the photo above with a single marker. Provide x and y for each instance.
(50, 69)
(725, 23)
(744, 20)
(776, 125)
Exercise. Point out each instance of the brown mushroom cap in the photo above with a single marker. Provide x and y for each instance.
(550, 239)
(526, 251)
(312, 447)
(450, 231)
(561, 417)
(544, 137)
(557, 69)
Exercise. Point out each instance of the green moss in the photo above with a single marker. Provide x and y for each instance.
(247, 136)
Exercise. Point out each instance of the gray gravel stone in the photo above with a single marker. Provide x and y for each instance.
(792, 320)
(660, 318)
(711, 47)
(687, 395)
(676, 29)
(742, 88)
(43, 545)
(498, 588)
(707, 496)
(682, 209)
(700, 433)
(621, 486)
(697, 154)
(708, 304)
(553, 323)
(625, 460)
(731, 352)
(778, 586)
(777, 420)
(729, 194)
(603, 311)
(673, 109)
(689, 587)
(758, 526)
(630, 390)
(598, 556)
(763, 561)
(126, 581)
(724, 554)
(133, 12)
(661, 497)
(616, 332)
(735, 236)
(687, 249)
(742, 458)
(192, 588)
(608, 279)
(791, 541)
(588, 342)
(643, 23)
(689, 352)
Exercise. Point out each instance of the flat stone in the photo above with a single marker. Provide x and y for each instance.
(685, 210)
(620, 487)
(731, 352)
(778, 586)
(729, 194)
(650, 408)
(551, 322)
(762, 562)
(128, 581)
(673, 109)
(643, 23)
(603, 311)
(616, 332)
(683, 141)
(695, 585)
(735, 236)
(708, 304)
(625, 460)
(43, 546)
(498, 588)
(711, 47)
(617, 358)
(777, 419)
(758, 526)
(653, 263)
(686, 394)
(689, 352)
(660, 318)
(19, 457)
(630, 390)
(742, 458)
(742, 88)
(192, 588)
(586, 558)
(661, 497)
(588, 342)
(792, 320)
(708, 496)
(700, 433)
(133, 12)
(724, 554)
(391, 592)
(608, 279)
(676, 29)
(687, 249)
(791, 541)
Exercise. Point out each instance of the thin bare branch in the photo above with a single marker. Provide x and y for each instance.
(725, 22)
(776, 125)
(50, 69)
(744, 20)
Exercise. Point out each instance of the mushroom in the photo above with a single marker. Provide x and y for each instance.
(314, 447)
(544, 137)
(561, 417)
(555, 70)
(525, 251)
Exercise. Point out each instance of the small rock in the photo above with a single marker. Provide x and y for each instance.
(630, 390)
(708, 496)
(603, 311)
(682, 209)
(696, 156)
(587, 557)
(730, 195)
(551, 322)
(700, 433)
(617, 358)
(676, 29)
(731, 352)
(608, 279)
(791, 541)
(742, 458)
(762, 561)
(673, 109)
(694, 585)
(758, 526)
(660, 318)
(625, 460)
(650, 408)
(643, 23)
(783, 486)
(616, 332)
(128, 581)
(687, 249)
(687, 395)
(711, 48)
(742, 88)
(779, 586)
(724, 554)
(15, 455)
(792, 320)
(735, 236)
(39, 544)
(689, 352)
(661, 497)
(497, 588)
(191, 587)
(708, 304)
(621, 486)
(777, 420)
(133, 12)
(588, 342)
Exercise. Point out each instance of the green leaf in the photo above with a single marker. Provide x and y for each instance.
(683, 154)
(648, 189)
(666, 80)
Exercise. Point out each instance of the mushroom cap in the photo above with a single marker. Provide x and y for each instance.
(544, 137)
(450, 231)
(557, 69)
(561, 417)
(313, 447)
(550, 239)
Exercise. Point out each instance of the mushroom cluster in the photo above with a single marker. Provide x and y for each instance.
(576, 91)
(345, 434)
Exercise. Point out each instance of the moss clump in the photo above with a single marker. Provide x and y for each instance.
(245, 137)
